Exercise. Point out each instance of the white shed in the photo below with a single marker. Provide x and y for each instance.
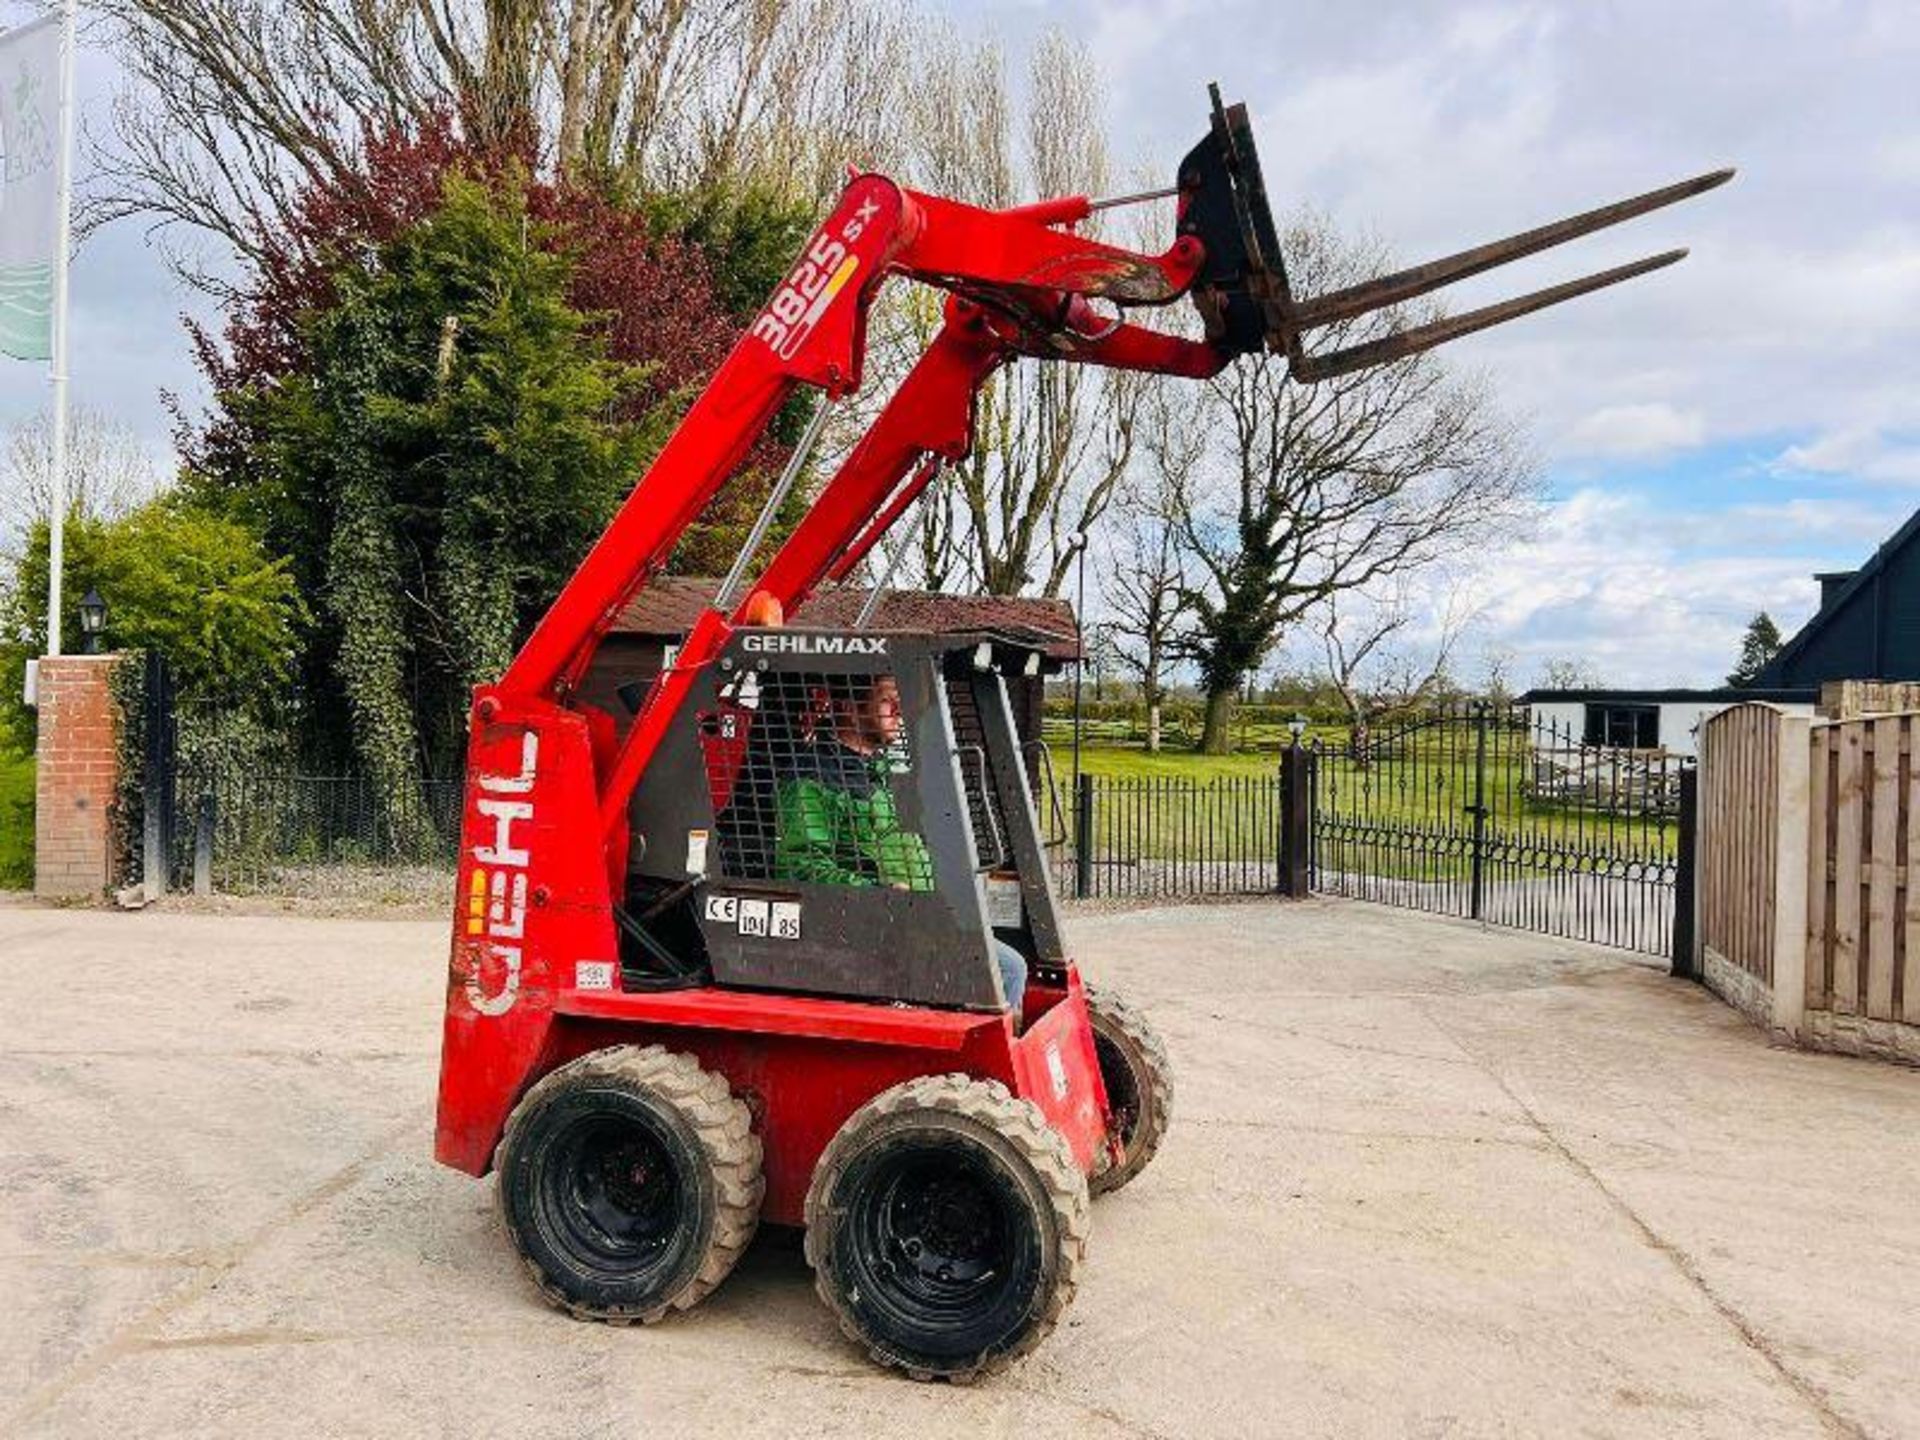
(1647, 719)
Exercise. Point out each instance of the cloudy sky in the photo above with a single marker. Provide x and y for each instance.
(1711, 435)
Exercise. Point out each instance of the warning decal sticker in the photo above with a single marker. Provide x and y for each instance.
(776, 919)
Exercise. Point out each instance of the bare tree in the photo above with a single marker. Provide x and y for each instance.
(1377, 662)
(938, 550)
(1496, 673)
(109, 472)
(1336, 487)
(1570, 673)
(1051, 441)
(234, 106)
(960, 119)
(1146, 583)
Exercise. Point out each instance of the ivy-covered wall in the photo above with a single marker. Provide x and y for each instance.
(127, 686)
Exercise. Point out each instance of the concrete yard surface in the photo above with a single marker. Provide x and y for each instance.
(1423, 1180)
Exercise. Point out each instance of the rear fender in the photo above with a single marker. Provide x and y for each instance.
(531, 914)
(1056, 1067)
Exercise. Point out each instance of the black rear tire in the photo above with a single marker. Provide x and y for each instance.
(946, 1225)
(1139, 1081)
(630, 1182)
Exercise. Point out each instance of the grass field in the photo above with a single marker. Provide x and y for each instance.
(16, 822)
(1116, 751)
(1117, 763)
(1409, 816)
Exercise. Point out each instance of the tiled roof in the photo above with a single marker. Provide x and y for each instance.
(670, 605)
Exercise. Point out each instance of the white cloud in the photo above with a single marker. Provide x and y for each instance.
(1638, 431)
(1899, 159)
(1799, 309)
(1835, 523)
(1862, 452)
(1655, 597)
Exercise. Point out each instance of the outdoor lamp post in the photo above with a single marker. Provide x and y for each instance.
(93, 620)
(1297, 726)
(1077, 547)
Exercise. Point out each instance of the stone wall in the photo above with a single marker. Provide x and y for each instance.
(1748, 994)
(1858, 1035)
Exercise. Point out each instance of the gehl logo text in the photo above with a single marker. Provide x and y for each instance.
(779, 644)
(497, 885)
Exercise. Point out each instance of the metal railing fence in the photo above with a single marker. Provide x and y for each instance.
(1478, 812)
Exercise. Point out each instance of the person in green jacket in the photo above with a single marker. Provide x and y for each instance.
(835, 818)
(836, 822)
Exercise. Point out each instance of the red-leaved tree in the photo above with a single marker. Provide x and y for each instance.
(378, 382)
(653, 296)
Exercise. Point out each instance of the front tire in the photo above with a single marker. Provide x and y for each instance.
(1139, 1080)
(946, 1224)
(629, 1181)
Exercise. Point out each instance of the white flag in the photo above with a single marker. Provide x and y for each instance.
(29, 186)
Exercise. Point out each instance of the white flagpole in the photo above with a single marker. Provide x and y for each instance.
(57, 523)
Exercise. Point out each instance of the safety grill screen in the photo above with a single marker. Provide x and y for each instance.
(983, 799)
(805, 771)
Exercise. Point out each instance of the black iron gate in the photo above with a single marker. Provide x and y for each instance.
(249, 816)
(1487, 813)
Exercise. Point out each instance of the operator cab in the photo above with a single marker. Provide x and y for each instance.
(846, 813)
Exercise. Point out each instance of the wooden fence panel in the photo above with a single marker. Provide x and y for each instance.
(1849, 807)
(1883, 830)
(1910, 929)
(1819, 870)
(1863, 910)
(1809, 836)
(1739, 783)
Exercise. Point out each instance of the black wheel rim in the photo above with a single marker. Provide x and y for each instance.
(1123, 1089)
(615, 1191)
(937, 1245)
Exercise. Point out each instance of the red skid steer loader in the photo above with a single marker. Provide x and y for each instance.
(745, 957)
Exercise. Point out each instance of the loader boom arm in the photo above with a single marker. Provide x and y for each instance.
(813, 332)
(1020, 282)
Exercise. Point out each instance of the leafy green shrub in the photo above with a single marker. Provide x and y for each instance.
(16, 821)
(194, 585)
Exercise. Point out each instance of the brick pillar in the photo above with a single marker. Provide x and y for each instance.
(78, 771)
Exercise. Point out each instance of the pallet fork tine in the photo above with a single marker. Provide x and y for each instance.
(1312, 368)
(1423, 279)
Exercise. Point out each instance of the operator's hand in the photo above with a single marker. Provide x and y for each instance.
(899, 885)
